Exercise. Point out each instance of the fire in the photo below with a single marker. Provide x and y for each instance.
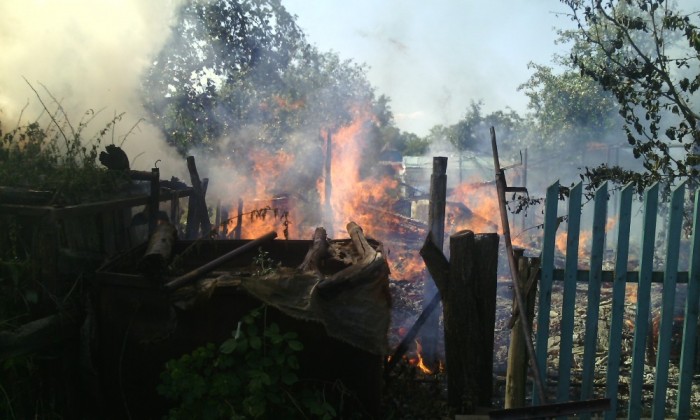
(264, 209)
(482, 202)
(406, 264)
(419, 361)
(351, 193)
(584, 240)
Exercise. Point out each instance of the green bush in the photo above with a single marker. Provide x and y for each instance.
(60, 158)
(252, 375)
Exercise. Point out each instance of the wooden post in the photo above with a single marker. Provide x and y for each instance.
(239, 221)
(198, 214)
(436, 221)
(154, 201)
(467, 285)
(217, 218)
(328, 208)
(223, 228)
(516, 376)
(175, 210)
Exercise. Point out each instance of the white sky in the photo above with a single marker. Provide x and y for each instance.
(432, 58)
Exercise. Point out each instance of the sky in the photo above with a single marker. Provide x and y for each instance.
(431, 58)
(434, 58)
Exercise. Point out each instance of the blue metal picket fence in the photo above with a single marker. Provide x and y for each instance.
(619, 278)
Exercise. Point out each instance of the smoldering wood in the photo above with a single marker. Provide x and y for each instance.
(212, 265)
(38, 334)
(467, 285)
(159, 251)
(319, 250)
(367, 266)
(410, 336)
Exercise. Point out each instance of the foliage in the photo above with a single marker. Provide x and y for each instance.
(567, 108)
(253, 374)
(647, 54)
(238, 74)
(17, 293)
(472, 132)
(263, 263)
(389, 137)
(223, 60)
(413, 145)
(58, 158)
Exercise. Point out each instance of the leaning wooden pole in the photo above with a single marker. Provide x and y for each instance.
(520, 300)
(198, 272)
(516, 374)
(436, 221)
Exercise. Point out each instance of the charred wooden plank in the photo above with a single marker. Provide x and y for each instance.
(317, 253)
(159, 250)
(17, 195)
(369, 265)
(206, 268)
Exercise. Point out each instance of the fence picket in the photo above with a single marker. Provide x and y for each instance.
(690, 321)
(551, 223)
(618, 300)
(600, 215)
(641, 320)
(668, 299)
(569, 298)
(644, 277)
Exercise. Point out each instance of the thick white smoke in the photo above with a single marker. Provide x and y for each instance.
(90, 54)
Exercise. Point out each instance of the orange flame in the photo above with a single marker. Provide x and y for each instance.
(419, 363)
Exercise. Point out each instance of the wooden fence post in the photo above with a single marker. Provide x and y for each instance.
(154, 201)
(467, 286)
(436, 222)
(198, 214)
(516, 374)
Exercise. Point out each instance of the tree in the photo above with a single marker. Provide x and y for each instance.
(566, 108)
(472, 132)
(389, 136)
(647, 54)
(223, 60)
(238, 74)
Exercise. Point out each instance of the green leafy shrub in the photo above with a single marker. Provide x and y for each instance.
(59, 157)
(252, 375)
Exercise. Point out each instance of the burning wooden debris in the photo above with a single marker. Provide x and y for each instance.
(333, 292)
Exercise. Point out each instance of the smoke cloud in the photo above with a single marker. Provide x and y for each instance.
(89, 55)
